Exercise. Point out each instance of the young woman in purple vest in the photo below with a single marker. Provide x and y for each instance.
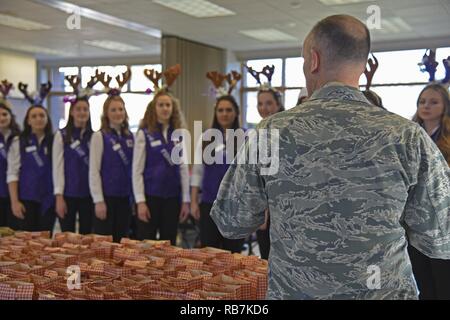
(71, 162)
(161, 186)
(110, 160)
(30, 168)
(9, 129)
(269, 103)
(433, 114)
(207, 177)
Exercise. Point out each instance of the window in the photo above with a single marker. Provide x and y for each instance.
(294, 73)
(289, 78)
(134, 92)
(398, 81)
(259, 65)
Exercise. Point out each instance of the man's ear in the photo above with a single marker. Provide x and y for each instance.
(315, 60)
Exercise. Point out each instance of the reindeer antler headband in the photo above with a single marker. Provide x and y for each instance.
(218, 79)
(82, 93)
(268, 72)
(171, 74)
(122, 80)
(429, 64)
(5, 88)
(369, 73)
(36, 98)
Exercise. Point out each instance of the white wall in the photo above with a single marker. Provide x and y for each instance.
(18, 67)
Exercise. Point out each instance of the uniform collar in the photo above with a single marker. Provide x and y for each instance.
(35, 139)
(338, 91)
(6, 135)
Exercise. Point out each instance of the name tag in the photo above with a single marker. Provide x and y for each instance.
(31, 149)
(155, 143)
(220, 148)
(116, 147)
(2, 145)
(75, 144)
(130, 143)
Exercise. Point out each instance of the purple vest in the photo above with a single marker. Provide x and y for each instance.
(116, 164)
(161, 175)
(35, 180)
(4, 147)
(76, 164)
(212, 177)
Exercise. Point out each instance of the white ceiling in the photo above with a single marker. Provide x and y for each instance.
(429, 19)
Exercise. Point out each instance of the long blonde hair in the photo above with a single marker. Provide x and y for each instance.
(150, 120)
(443, 140)
(105, 125)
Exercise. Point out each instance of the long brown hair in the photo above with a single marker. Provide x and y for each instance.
(105, 125)
(215, 123)
(150, 120)
(276, 96)
(443, 139)
(13, 125)
(70, 126)
(27, 130)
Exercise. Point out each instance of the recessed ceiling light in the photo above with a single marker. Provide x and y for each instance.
(285, 25)
(269, 35)
(101, 17)
(112, 45)
(338, 2)
(20, 23)
(35, 49)
(196, 8)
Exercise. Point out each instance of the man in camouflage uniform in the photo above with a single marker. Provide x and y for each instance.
(355, 184)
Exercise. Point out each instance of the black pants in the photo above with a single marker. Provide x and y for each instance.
(117, 222)
(34, 219)
(210, 235)
(4, 211)
(7, 219)
(263, 237)
(164, 215)
(432, 275)
(85, 209)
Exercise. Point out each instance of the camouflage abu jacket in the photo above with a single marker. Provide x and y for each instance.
(354, 184)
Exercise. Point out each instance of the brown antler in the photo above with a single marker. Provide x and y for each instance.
(233, 78)
(171, 74)
(5, 87)
(370, 73)
(74, 82)
(24, 89)
(94, 79)
(104, 79)
(216, 78)
(154, 76)
(125, 78)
